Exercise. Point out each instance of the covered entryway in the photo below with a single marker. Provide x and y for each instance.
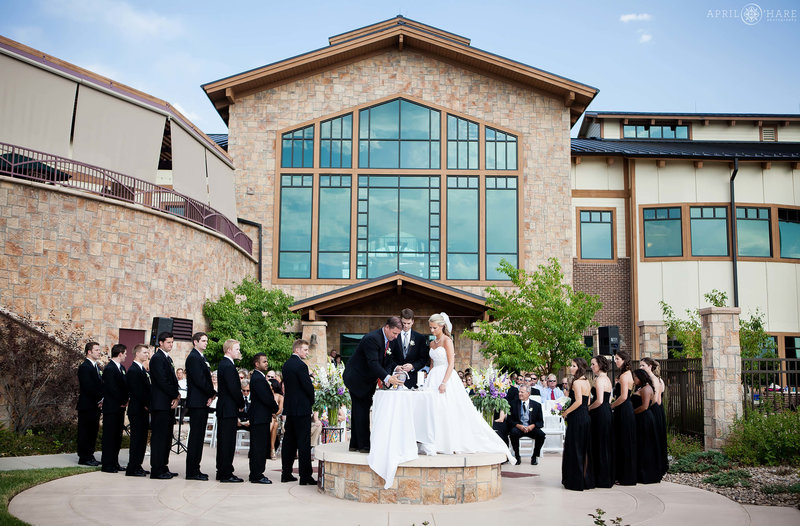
(338, 319)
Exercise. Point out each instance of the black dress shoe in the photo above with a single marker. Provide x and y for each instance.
(135, 474)
(161, 476)
(288, 478)
(232, 478)
(308, 482)
(110, 470)
(353, 449)
(262, 480)
(363, 450)
(172, 473)
(518, 462)
(196, 477)
(120, 468)
(534, 461)
(91, 462)
(202, 475)
(145, 471)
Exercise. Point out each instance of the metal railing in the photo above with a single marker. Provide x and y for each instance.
(683, 398)
(34, 165)
(771, 383)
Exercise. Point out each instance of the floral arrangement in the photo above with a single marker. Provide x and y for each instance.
(560, 405)
(490, 387)
(329, 391)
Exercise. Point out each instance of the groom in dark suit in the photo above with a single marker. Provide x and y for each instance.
(371, 362)
(298, 399)
(229, 402)
(164, 398)
(526, 421)
(410, 348)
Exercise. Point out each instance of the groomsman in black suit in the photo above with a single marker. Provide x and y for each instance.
(229, 402)
(298, 397)
(115, 399)
(163, 401)
(410, 349)
(262, 407)
(90, 402)
(370, 363)
(526, 421)
(138, 410)
(199, 395)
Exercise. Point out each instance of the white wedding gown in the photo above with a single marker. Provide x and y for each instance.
(459, 427)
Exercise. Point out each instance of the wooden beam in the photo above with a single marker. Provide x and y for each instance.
(624, 121)
(652, 122)
(230, 96)
(680, 122)
(609, 161)
(569, 99)
(732, 123)
(698, 164)
(758, 123)
(705, 122)
(577, 160)
(796, 165)
(399, 288)
(400, 43)
(312, 315)
(766, 166)
(661, 163)
(785, 123)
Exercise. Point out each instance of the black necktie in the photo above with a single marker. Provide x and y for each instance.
(99, 372)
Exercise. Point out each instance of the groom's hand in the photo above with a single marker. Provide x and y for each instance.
(407, 367)
(393, 380)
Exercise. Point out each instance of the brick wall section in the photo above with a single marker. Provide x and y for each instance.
(107, 265)
(541, 120)
(612, 282)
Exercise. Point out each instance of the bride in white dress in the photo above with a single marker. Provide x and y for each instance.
(459, 427)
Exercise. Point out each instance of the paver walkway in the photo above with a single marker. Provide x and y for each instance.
(531, 494)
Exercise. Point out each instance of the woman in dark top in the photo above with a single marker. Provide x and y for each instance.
(648, 463)
(602, 451)
(624, 423)
(650, 366)
(576, 470)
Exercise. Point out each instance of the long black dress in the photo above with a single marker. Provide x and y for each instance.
(624, 441)
(576, 470)
(661, 430)
(602, 451)
(648, 458)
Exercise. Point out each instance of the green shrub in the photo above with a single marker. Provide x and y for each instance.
(729, 479)
(678, 446)
(765, 439)
(701, 462)
(772, 489)
(45, 440)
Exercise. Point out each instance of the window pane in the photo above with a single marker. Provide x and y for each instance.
(662, 238)
(790, 239)
(414, 121)
(462, 221)
(490, 154)
(709, 237)
(334, 265)
(381, 263)
(753, 238)
(286, 154)
(384, 121)
(414, 220)
(501, 221)
(462, 266)
(414, 154)
(325, 153)
(669, 132)
(295, 219)
(512, 156)
(334, 219)
(493, 261)
(629, 132)
(682, 132)
(294, 265)
(383, 217)
(452, 155)
(383, 154)
(596, 241)
(414, 264)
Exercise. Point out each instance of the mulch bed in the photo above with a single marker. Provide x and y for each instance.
(760, 476)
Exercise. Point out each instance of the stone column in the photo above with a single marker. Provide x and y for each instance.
(316, 333)
(653, 339)
(722, 373)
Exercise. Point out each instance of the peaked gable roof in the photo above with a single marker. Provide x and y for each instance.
(398, 33)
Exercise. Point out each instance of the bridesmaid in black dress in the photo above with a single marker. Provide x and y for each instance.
(648, 462)
(624, 423)
(602, 451)
(576, 470)
(650, 366)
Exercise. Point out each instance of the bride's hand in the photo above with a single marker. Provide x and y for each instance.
(442, 388)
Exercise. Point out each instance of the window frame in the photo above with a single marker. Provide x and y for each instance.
(578, 252)
(354, 172)
(648, 124)
(728, 230)
(683, 227)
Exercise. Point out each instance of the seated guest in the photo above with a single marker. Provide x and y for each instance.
(180, 374)
(276, 424)
(316, 428)
(500, 425)
(532, 381)
(244, 413)
(551, 392)
(527, 421)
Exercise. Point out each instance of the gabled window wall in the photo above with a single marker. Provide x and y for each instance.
(397, 185)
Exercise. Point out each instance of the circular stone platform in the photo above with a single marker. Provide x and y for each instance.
(439, 479)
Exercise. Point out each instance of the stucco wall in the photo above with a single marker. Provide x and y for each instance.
(106, 264)
(541, 120)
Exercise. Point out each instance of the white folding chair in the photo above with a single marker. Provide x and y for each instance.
(242, 440)
(210, 437)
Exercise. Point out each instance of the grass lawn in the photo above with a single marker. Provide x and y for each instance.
(14, 482)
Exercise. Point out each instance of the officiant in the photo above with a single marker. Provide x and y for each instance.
(410, 348)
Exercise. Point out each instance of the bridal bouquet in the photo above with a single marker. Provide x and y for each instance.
(560, 405)
(329, 391)
(490, 387)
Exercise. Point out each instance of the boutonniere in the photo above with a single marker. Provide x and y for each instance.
(388, 352)
(412, 343)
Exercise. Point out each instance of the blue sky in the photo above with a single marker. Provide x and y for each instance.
(677, 56)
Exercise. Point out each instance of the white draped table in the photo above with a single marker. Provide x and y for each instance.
(400, 419)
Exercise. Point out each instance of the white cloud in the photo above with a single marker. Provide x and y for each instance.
(192, 116)
(28, 35)
(645, 37)
(117, 15)
(635, 17)
(102, 69)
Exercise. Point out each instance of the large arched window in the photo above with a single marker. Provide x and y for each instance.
(425, 191)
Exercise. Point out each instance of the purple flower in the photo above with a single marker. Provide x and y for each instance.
(482, 393)
(340, 391)
(502, 395)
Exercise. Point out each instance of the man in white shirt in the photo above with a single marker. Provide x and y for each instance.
(410, 348)
(551, 391)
